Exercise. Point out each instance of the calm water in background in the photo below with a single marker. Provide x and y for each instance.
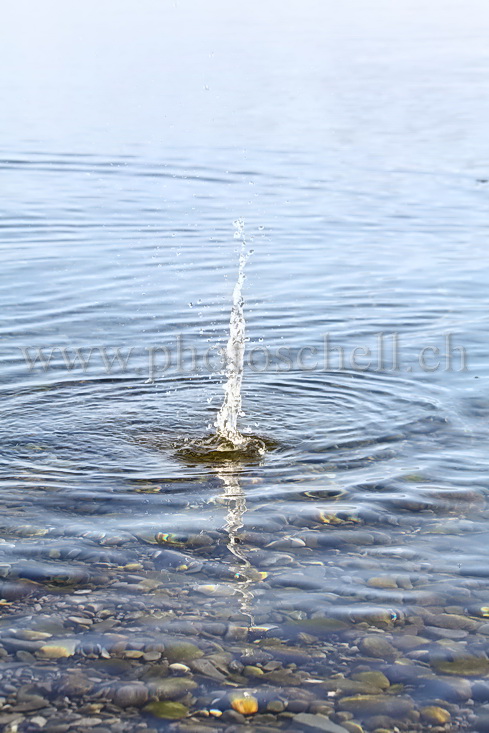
(353, 141)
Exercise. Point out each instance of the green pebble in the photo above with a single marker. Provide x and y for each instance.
(250, 671)
(463, 667)
(351, 687)
(376, 679)
(171, 688)
(168, 710)
(321, 626)
(435, 715)
(275, 706)
(182, 651)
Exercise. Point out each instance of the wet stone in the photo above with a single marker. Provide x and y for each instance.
(73, 685)
(350, 686)
(384, 582)
(373, 678)
(167, 710)
(244, 703)
(151, 656)
(352, 727)
(297, 706)
(112, 667)
(182, 652)
(462, 666)
(215, 628)
(14, 644)
(408, 642)
(296, 580)
(435, 715)
(480, 691)
(365, 706)
(231, 716)
(14, 591)
(250, 671)
(39, 720)
(435, 632)
(309, 722)
(132, 654)
(321, 626)
(58, 649)
(255, 655)
(171, 688)
(88, 722)
(379, 647)
(25, 657)
(402, 673)
(207, 669)
(178, 669)
(451, 621)
(31, 702)
(283, 677)
(237, 633)
(32, 635)
(276, 706)
(455, 689)
(130, 696)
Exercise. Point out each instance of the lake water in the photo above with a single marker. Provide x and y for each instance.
(343, 577)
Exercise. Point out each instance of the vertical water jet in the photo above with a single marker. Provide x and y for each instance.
(227, 418)
(228, 443)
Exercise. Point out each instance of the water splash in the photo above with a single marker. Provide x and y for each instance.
(228, 443)
(227, 419)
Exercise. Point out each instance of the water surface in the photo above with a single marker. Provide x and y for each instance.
(354, 145)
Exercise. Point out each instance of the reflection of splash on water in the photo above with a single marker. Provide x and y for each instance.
(233, 497)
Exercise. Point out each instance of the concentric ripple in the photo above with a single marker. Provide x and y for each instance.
(359, 515)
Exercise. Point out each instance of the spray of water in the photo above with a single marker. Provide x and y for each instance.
(228, 443)
(227, 419)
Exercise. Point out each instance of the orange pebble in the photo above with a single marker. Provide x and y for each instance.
(246, 705)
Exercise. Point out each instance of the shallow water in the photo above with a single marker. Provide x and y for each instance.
(354, 145)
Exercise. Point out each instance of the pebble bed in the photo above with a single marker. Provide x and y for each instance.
(151, 633)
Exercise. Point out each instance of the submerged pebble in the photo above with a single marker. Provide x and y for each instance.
(167, 710)
(130, 696)
(244, 703)
(435, 715)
